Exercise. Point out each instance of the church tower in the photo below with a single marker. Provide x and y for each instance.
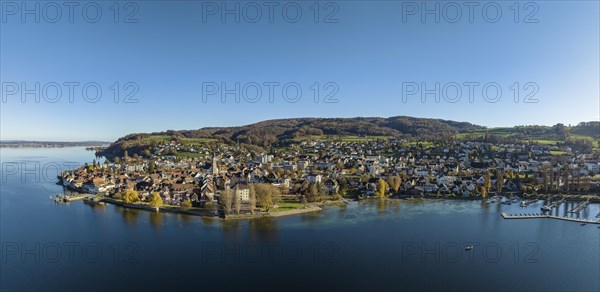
(215, 165)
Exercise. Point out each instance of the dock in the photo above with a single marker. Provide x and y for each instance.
(70, 198)
(553, 205)
(580, 207)
(540, 216)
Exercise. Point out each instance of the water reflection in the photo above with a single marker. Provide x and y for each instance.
(264, 229)
(156, 219)
(129, 216)
(232, 229)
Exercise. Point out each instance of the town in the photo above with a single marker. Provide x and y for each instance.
(236, 180)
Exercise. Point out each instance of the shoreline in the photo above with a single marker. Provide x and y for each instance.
(314, 207)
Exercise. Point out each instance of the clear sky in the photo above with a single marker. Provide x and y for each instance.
(363, 52)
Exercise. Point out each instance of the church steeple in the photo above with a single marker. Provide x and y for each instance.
(215, 165)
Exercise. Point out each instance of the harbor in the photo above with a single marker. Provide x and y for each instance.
(541, 216)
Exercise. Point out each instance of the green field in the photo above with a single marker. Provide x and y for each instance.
(544, 141)
(425, 144)
(189, 155)
(287, 205)
(329, 138)
(184, 141)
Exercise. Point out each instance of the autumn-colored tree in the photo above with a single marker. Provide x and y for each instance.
(381, 188)
(499, 180)
(487, 182)
(131, 196)
(394, 182)
(155, 200)
(483, 191)
(267, 195)
(186, 203)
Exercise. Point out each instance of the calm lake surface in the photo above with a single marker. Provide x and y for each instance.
(393, 245)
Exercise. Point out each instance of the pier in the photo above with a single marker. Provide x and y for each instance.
(580, 207)
(553, 205)
(70, 198)
(539, 216)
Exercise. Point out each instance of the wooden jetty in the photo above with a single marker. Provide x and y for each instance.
(538, 215)
(580, 207)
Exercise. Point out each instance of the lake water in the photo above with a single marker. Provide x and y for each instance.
(393, 245)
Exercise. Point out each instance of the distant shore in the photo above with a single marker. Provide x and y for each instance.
(51, 144)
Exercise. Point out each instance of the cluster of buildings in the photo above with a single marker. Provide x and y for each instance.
(198, 173)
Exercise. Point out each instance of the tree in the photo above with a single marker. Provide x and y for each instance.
(567, 181)
(487, 182)
(499, 180)
(237, 202)
(155, 200)
(186, 203)
(394, 182)
(151, 168)
(381, 188)
(267, 195)
(252, 199)
(483, 191)
(343, 184)
(118, 196)
(131, 196)
(312, 193)
(225, 200)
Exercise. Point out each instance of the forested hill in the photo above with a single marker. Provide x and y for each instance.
(269, 132)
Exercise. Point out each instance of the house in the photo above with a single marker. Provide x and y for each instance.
(331, 186)
(314, 178)
(593, 167)
(208, 191)
(242, 192)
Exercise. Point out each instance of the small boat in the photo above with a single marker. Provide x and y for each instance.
(583, 224)
(468, 247)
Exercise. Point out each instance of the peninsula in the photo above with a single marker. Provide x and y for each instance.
(290, 166)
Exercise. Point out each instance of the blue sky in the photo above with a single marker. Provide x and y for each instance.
(366, 57)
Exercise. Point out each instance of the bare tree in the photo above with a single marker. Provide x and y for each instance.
(252, 199)
(237, 202)
(225, 200)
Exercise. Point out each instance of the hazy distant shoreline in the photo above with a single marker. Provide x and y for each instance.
(50, 144)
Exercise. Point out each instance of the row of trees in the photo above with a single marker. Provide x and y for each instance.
(263, 195)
